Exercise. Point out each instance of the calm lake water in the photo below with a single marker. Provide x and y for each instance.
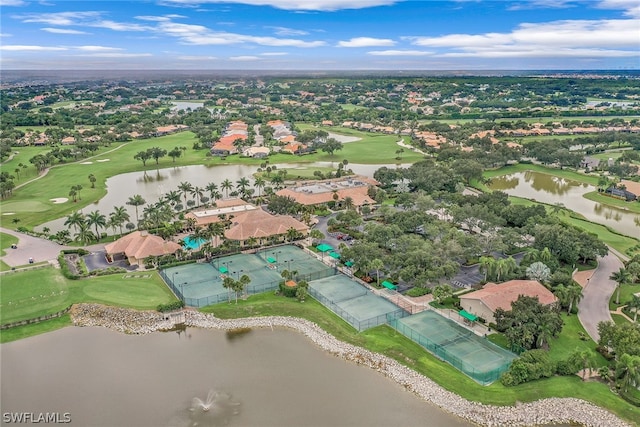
(551, 189)
(262, 378)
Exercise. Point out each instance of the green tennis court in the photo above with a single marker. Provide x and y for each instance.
(200, 284)
(356, 304)
(477, 357)
(292, 258)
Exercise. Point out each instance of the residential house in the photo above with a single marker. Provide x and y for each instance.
(484, 302)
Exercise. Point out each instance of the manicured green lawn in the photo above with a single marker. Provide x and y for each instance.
(385, 340)
(607, 200)
(569, 341)
(626, 294)
(34, 293)
(21, 332)
(6, 240)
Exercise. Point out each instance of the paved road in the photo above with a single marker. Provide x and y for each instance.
(594, 306)
(37, 248)
(29, 246)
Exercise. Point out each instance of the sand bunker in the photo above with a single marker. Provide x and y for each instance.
(8, 213)
(103, 160)
(59, 200)
(86, 163)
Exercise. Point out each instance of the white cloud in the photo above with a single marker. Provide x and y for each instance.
(30, 48)
(274, 54)
(320, 5)
(631, 7)
(4, 3)
(244, 58)
(400, 53)
(59, 18)
(6, 35)
(597, 38)
(197, 58)
(366, 42)
(62, 31)
(200, 35)
(115, 55)
(284, 31)
(542, 4)
(541, 52)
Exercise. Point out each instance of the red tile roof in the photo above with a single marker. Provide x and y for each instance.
(260, 224)
(501, 295)
(140, 245)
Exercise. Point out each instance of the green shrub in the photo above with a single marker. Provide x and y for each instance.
(531, 365)
(418, 291)
(176, 305)
(287, 291)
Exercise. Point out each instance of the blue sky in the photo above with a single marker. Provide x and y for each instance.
(320, 34)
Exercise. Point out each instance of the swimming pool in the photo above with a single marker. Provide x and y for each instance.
(192, 244)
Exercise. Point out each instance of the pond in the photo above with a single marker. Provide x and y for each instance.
(260, 378)
(552, 190)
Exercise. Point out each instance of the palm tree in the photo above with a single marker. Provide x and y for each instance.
(214, 231)
(185, 188)
(212, 188)
(628, 368)
(244, 282)
(136, 201)
(348, 203)
(226, 185)
(119, 216)
(173, 197)
(582, 358)
(92, 180)
(505, 266)
(84, 234)
(197, 192)
(292, 234)
(574, 295)
(74, 219)
(621, 276)
(259, 183)
(228, 283)
(96, 219)
(487, 265)
(635, 304)
(241, 186)
(377, 264)
(198, 235)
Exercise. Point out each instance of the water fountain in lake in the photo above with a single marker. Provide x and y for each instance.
(216, 410)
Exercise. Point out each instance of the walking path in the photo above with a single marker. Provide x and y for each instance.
(593, 308)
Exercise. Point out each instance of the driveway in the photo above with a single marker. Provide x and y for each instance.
(594, 306)
(322, 226)
(98, 260)
(30, 247)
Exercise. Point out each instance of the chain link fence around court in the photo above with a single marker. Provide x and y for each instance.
(475, 356)
(200, 284)
(354, 303)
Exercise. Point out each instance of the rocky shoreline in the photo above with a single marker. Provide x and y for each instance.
(545, 411)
